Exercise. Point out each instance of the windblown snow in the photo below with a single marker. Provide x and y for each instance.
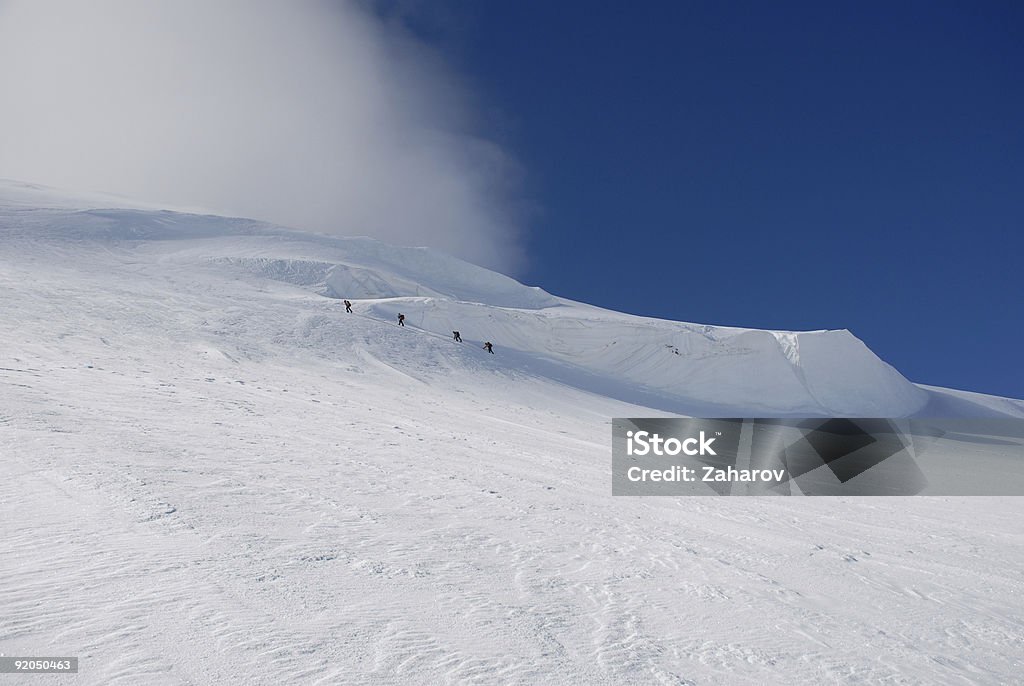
(211, 473)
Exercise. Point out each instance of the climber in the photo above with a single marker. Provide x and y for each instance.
(488, 347)
(458, 336)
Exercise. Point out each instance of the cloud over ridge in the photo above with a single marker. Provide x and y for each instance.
(314, 114)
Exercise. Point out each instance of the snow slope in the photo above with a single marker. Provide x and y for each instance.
(211, 474)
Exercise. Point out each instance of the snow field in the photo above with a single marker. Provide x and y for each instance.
(211, 474)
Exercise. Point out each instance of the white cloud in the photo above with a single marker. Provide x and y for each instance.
(309, 113)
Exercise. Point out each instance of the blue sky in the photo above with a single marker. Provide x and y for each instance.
(781, 165)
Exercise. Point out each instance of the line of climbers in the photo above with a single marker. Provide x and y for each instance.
(401, 322)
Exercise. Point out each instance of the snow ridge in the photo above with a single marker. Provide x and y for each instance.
(674, 366)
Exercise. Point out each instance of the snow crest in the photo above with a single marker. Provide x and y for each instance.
(673, 366)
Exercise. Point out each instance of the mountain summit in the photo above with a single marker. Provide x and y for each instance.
(248, 267)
